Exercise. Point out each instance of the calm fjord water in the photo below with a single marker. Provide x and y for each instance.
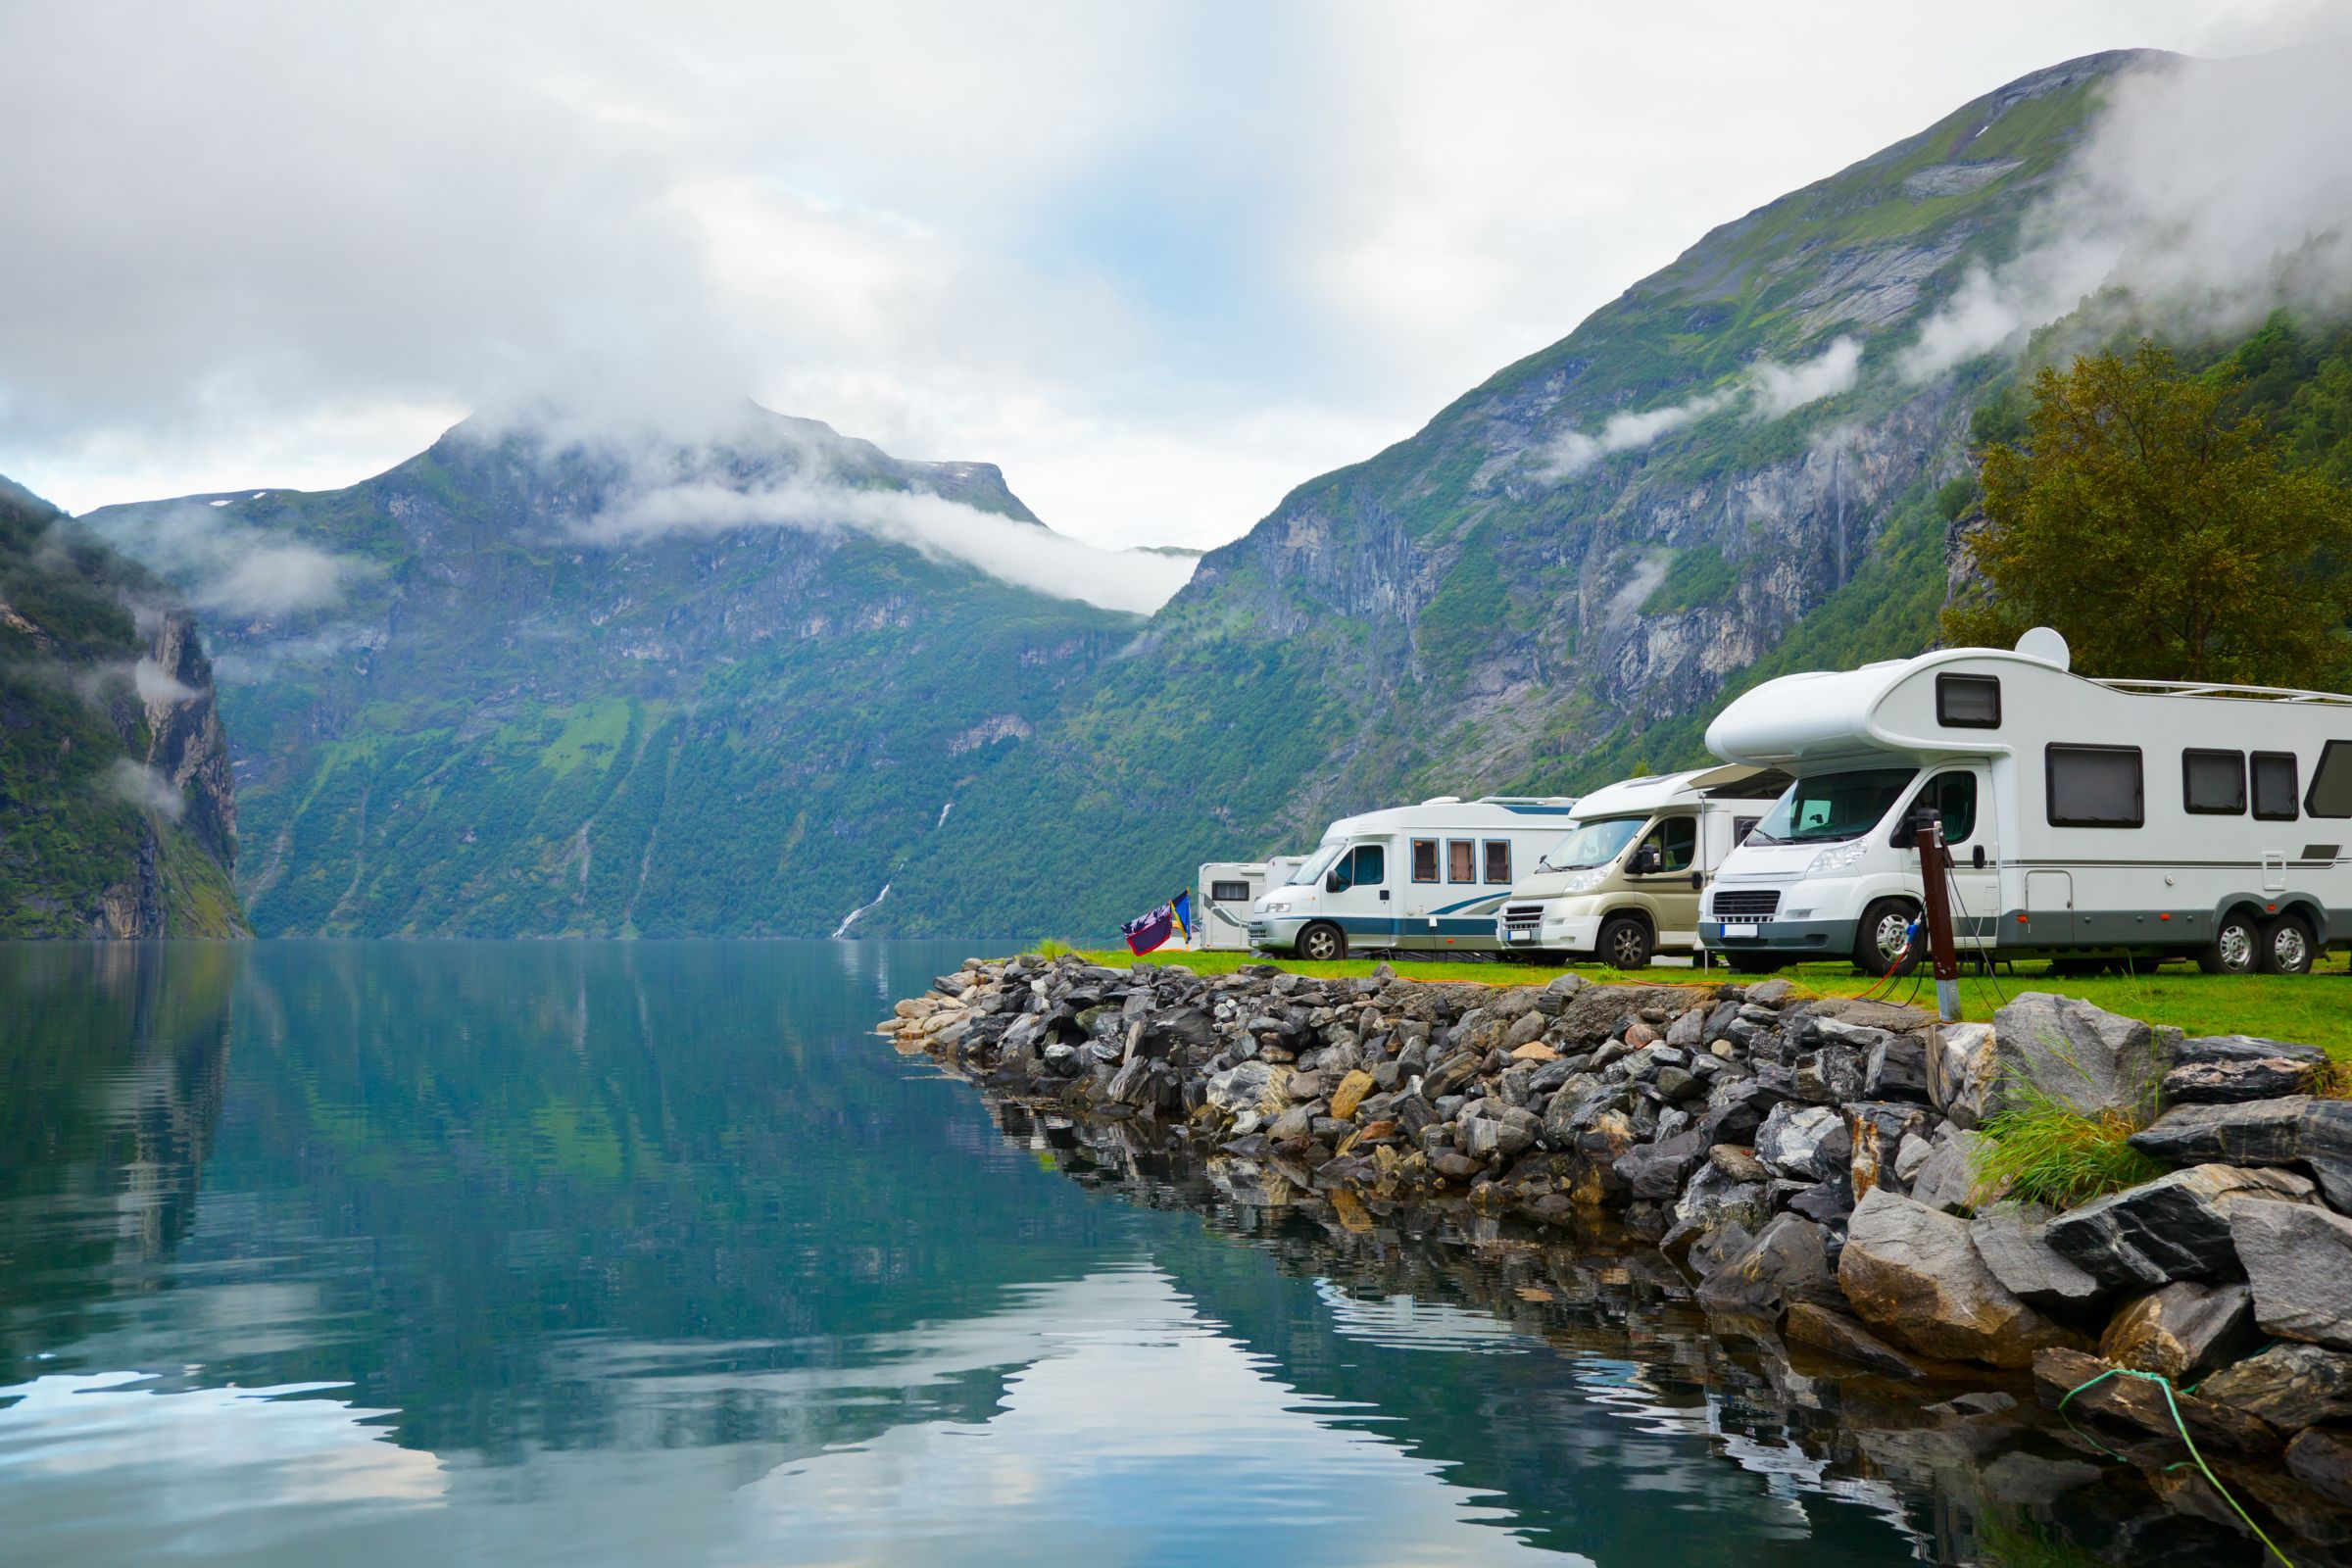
(650, 1254)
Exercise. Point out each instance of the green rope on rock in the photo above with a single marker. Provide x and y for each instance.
(2166, 1383)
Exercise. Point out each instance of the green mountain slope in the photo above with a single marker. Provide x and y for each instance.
(532, 711)
(1519, 596)
(118, 816)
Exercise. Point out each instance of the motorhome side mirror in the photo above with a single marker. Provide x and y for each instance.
(1335, 883)
(1647, 860)
(1698, 880)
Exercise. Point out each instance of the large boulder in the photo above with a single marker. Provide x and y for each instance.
(1656, 1172)
(1948, 1179)
(1239, 1088)
(1960, 1068)
(2260, 1133)
(1712, 1200)
(2291, 1385)
(1807, 1142)
(2174, 1228)
(2012, 1240)
(2083, 1058)
(2298, 1258)
(2086, 1384)
(1827, 1329)
(1787, 1261)
(2220, 1083)
(2182, 1330)
(1875, 1130)
(2324, 1139)
(1912, 1274)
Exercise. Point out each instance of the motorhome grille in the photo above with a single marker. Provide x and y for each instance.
(1731, 904)
(1523, 914)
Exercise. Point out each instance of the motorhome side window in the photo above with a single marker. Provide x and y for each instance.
(2274, 785)
(1498, 861)
(1425, 859)
(1677, 842)
(2213, 783)
(1968, 701)
(1954, 797)
(1228, 892)
(2094, 786)
(2332, 782)
(1365, 865)
(1461, 860)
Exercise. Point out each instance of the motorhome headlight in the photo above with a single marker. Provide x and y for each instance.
(1839, 857)
(1585, 881)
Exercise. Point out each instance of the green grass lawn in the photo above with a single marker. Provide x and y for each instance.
(2313, 1007)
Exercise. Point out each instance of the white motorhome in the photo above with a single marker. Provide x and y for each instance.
(1626, 878)
(2086, 818)
(1427, 877)
(1222, 899)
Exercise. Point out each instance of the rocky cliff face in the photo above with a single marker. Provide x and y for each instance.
(118, 809)
(1726, 472)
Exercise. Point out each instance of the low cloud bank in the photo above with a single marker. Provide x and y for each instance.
(1769, 388)
(1026, 554)
(144, 787)
(2213, 191)
(230, 566)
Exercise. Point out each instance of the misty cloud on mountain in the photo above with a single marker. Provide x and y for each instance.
(143, 787)
(1769, 388)
(232, 566)
(1024, 553)
(2204, 191)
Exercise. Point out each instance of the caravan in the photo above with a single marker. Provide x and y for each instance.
(1226, 891)
(2086, 819)
(1626, 878)
(1427, 876)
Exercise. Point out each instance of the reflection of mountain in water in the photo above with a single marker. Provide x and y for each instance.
(114, 1058)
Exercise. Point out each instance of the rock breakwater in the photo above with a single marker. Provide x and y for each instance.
(1810, 1171)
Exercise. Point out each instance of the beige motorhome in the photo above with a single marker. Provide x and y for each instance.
(1624, 882)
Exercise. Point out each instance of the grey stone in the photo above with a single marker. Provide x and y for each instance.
(1875, 1132)
(2084, 1057)
(2176, 1227)
(2298, 1258)
(2207, 1048)
(2264, 1132)
(1657, 1171)
(1826, 1203)
(2182, 1330)
(1509, 1132)
(1740, 1165)
(1712, 1249)
(1770, 993)
(1785, 1261)
(2322, 1460)
(2219, 1083)
(1831, 1075)
(2290, 1385)
(2010, 1238)
(2324, 1139)
(1912, 1274)
(1947, 1180)
(1915, 1151)
(1804, 1141)
(1960, 1069)
(1827, 1329)
(1897, 1067)
(1712, 1200)
(1690, 1030)
(1234, 1090)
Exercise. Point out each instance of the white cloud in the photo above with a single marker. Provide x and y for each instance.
(2212, 190)
(1768, 388)
(232, 566)
(1160, 262)
(144, 787)
(156, 685)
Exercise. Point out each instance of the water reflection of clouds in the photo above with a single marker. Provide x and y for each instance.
(1407, 1323)
(1130, 1429)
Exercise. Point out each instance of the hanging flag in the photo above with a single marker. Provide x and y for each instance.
(1148, 931)
(1181, 907)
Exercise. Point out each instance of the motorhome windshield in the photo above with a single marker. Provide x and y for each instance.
(1591, 844)
(1316, 865)
(1832, 806)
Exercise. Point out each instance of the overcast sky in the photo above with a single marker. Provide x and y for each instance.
(1161, 263)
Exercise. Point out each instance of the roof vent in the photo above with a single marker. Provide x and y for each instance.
(2044, 645)
(1443, 799)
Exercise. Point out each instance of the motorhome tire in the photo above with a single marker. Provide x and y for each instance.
(1625, 942)
(2286, 946)
(1883, 935)
(1323, 942)
(2235, 947)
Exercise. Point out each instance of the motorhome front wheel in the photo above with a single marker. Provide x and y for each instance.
(1882, 936)
(1323, 942)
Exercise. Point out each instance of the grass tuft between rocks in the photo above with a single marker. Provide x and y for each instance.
(2040, 1149)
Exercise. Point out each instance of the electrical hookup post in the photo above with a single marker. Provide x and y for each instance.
(1934, 869)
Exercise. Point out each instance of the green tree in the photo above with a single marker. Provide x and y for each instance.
(2165, 538)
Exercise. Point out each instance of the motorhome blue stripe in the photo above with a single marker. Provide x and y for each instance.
(1488, 898)
(1541, 811)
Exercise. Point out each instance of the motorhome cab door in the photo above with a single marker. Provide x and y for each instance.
(1356, 894)
(1963, 795)
(1664, 869)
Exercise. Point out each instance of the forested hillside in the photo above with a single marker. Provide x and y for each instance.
(117, 817)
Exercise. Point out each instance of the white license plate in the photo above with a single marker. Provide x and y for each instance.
(1519, 936)
(1741, 930)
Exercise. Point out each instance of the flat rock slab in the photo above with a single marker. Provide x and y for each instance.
(2011, 1240)
(2322, 1461)
(1825, 1329)
(2182, 1330)
(2063, 1377)
(1786, 1261)
(2261, 1132)
(2176, 1227)
(2298, 1258)
(2291, 1385)
(1912, 1274)
(2229, 1082)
